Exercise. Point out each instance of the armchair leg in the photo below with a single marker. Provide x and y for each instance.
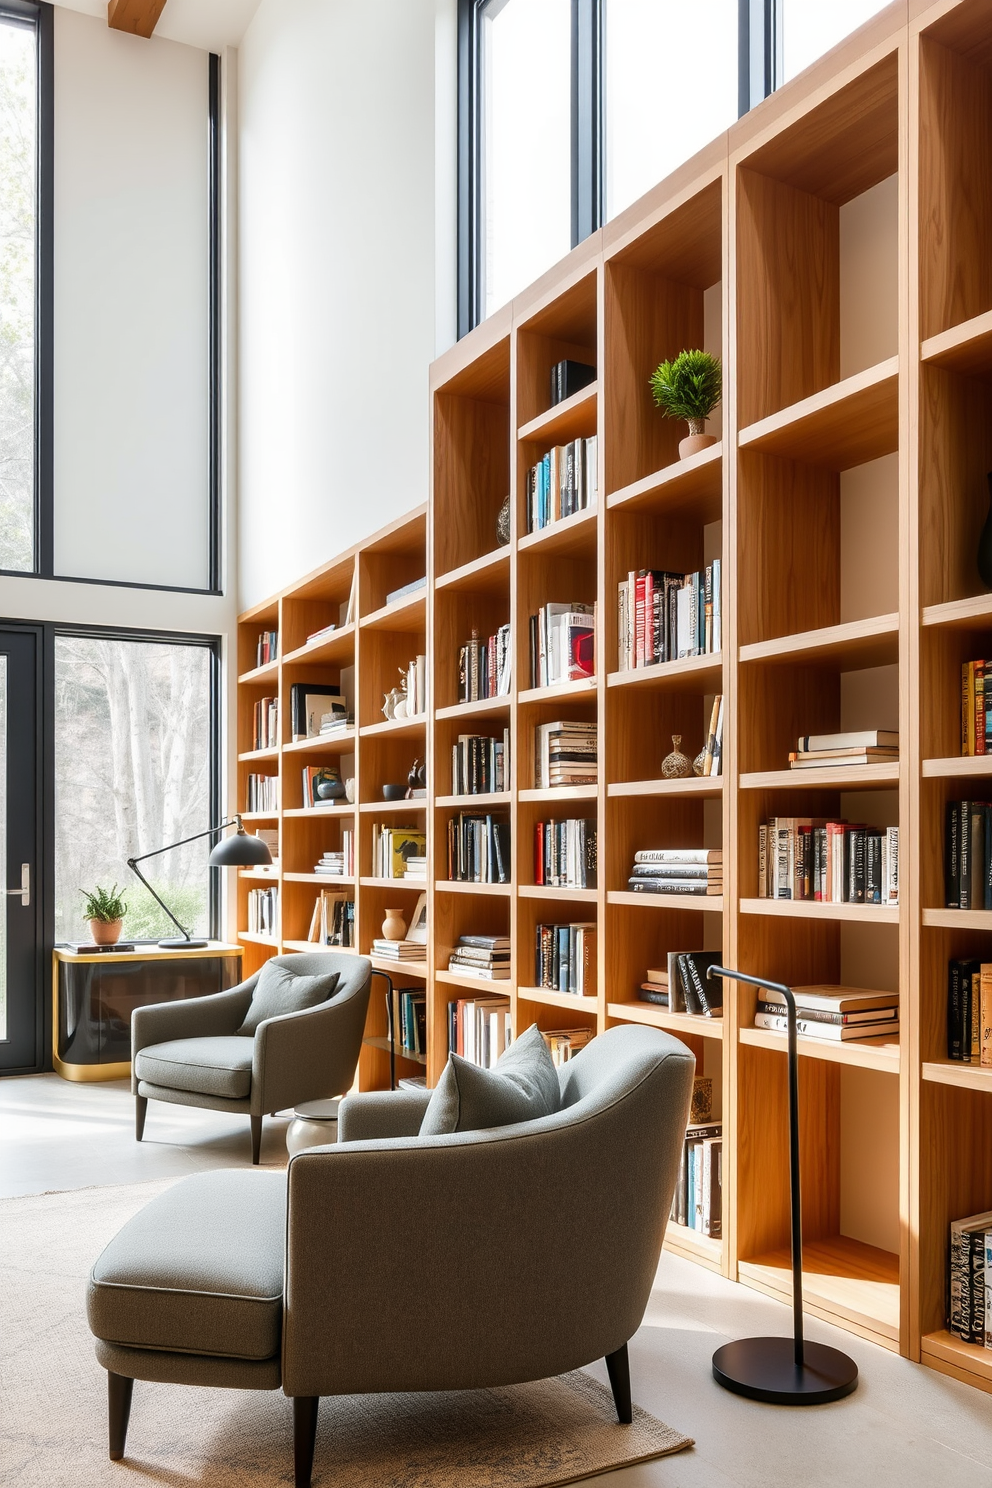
(119, 1390)
(304, 1437)
(256, 1138)
(618, 1368)
(140, 1112)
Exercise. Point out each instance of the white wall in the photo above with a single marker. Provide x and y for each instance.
(346, 186)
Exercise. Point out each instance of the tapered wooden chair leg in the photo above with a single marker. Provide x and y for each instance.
(256, 1138)
(618, 1368)
(119, 1390)
(304, 1437)
(140, 1112)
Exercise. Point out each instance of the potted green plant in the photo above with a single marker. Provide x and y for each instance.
(105, 909)
(689, 388)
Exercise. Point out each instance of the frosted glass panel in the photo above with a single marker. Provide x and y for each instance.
(810, 28)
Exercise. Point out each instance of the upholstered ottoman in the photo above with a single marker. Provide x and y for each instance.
(190, 1290)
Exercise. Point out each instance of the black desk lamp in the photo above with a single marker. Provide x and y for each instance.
(785, 1371)
(239, 851)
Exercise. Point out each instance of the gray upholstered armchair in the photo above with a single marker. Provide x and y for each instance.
(191, 1053)
(370, 1282)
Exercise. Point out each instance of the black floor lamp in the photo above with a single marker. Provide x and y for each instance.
(240, 851)
(785, 1371)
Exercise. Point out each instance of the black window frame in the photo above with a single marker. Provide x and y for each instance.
(39, 16)
(759, 73)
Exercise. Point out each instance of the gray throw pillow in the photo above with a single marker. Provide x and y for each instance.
(522, 1086)
(279, 990)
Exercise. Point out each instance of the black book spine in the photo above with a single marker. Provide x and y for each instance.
(964, 855)
(952, 866)
(967, 970)
(873, 868)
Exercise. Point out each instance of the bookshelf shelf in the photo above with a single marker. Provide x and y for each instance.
(585, 687)
(856, 644)
(376, 807)
(259, 816)
(479, 709)
(250, 938)
(343, 743)
(482, 986)
(574, 534)
(560, 793)
(251, 755)
(873, 1054)
(262, 875)
(491, 572)
(847, 424)
(659, 1017)
(267, 673)
(965, 348)
(845, 1280)
(693, 1243)
(960, 614)
(567, 420)
(475, 803)
(958, 767)
(328, 880)
(408, 885)
(969, 1362)
(375, 1042)
(396, 967)
(958, 919)
(407, 615)
(542, 891)
(711, 902)
(693, 486)
(403, 728)
(964, 1076)
(848, 778)
(455, 886)
(700, 786)
(334, 649)
(813, 909)
(313, 813)
(568, 1000)
(688, 674)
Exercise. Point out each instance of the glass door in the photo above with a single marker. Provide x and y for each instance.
(21, 1020)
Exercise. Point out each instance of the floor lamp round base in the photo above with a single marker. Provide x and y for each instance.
(182, 945)
(766, 1369)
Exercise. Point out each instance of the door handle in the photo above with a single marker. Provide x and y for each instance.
(25, 890)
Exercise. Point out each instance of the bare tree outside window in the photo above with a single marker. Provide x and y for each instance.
(18, 215)
(132, 773)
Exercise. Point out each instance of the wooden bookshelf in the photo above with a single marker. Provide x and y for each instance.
(844, 497)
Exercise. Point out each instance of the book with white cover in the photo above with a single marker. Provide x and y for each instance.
(834, 999)
(859, 739)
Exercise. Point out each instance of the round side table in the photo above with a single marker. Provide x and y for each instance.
(314, 1124)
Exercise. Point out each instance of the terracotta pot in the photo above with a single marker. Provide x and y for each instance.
(106, 932)
(693, 443)
(394, 925)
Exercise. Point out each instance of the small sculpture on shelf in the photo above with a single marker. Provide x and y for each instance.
(394, 702)
(689, 388)
(676, 766)
(327, 784)
(394, 925)
(417, 781)
(503, 524)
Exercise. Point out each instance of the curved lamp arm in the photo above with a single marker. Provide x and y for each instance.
(132, 863)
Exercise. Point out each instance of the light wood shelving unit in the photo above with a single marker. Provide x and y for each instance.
(836, 245)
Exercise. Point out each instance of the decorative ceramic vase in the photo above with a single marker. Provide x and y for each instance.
(695, 440)
(328, 785)
(699, 763)
(349, 789)
(676, 766)
(394, 925)
(106, 932)
(985, 543)
(503, 524)
(393, 792)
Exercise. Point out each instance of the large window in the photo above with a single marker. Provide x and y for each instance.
(809, 30)
(135, 747)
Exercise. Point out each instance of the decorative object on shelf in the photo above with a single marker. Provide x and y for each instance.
(503, 523)
(240, 851)
(394, 792)
(418, 922)
(702, 1099)
(417, 781)
(394, 702)
(349, 790)
(985, 543)
(394, 925)
(328, 785)
(105, 909)
(689, 388)
(676, 766)
(699, 763)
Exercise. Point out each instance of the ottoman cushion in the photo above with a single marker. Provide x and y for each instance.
(198, 1270)
(206, 1066)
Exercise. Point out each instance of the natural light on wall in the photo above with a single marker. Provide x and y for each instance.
(810, 28)
(18, 116)
(527, 133)
(671, 87)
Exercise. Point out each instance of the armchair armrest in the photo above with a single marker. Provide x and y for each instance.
(304, 1056)
(192, 1017)
(381, 1113)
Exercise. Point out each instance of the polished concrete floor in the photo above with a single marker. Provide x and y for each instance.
(905, 1427)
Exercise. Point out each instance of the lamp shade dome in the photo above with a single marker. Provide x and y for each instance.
(240, 851)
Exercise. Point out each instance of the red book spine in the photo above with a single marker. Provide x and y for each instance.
(539, 854)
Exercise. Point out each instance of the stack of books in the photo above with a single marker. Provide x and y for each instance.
(333, 919)
(398, 950)
(309, 704)
(831, 1013)
(478, 848)
(263, 911)
(339, 864)
(416, 687)
(662, 616)
(268, 647)
(839, 751)
(562, 645)
(563, 482)
(970, 1280)
(683, 986)
(565, 958)
(318, 635)
(698, 1201)
(262, 793)
(484, 956)
(392, 847)
(968, 855)
(337, 721)
(565, 853)
(969, 1012)
(835, 862)
(654, 987)
(976, 707)
(416, 867)
(564, 1043)
(480, 764)
(479, 1029)
(265, 723)
(677, 870)
(565, 754)
(484, 667)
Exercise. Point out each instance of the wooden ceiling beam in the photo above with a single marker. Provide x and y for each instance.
(139, 17)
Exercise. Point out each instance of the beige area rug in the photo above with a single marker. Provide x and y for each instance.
(54, 1399)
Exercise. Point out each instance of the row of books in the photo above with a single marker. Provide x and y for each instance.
(416, 687)
(265, 723)
(262, 793)
(835, 862)
(565, 853)
(713, 750)
(969, 1012)
(976, 707)
(410, 1020)
(562, 643)
(263, 911)
(333, 919)
(831, 1013)
(483, 956)
(267, 648)
(677, 870)
(969, 1314)
(563, 482)
(968, 855)
(565, 958)
(479, 1028)
(682, 985)
(662, 616)
(484, 667)
(480, 764)
(478, 848)
(339, 863)
(393, 849)
(399, 950)
(565, 753)
(841, 751)
(309, 704)
(698, 1200)
(564, 1043)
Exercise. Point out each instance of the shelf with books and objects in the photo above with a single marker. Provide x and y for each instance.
(853, 1025)
(490, 573)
